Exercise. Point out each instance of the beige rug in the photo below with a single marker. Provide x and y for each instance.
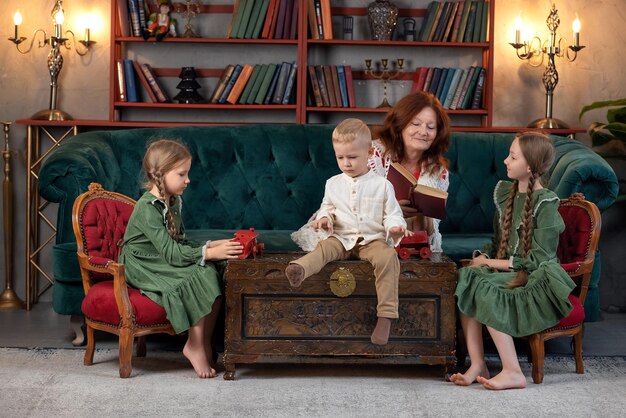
(54, 383)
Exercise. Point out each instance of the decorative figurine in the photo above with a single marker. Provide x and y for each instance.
(161, 24)
(188, 87)
(409, 29)
(250, 245)
(415, 244)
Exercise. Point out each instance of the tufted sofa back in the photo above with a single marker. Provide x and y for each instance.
(272, 177)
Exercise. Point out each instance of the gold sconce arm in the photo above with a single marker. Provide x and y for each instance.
(41, 44)
(87, 42)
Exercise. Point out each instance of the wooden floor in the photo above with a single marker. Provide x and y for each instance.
(41, 327)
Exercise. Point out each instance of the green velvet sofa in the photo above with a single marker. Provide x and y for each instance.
(271, 177)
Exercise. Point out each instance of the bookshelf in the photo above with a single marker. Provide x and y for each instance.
(213, 51)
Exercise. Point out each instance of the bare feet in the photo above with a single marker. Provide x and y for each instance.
(504, 380)
(199, 360)
(380, 336)
(471, 375)
(295, 274)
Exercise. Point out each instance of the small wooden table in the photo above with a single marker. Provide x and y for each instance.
(269, 321)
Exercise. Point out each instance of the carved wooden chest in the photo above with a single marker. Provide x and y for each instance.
(331, 316)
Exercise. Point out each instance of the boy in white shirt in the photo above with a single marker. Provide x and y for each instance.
(364, 219)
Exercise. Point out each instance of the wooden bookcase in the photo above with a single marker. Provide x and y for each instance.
(211, 53)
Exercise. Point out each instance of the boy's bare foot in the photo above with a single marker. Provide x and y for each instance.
(295, 274)
(470, 376)
(504, 380)
(380, 336)
(199, 361)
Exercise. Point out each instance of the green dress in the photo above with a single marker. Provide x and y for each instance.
(482, 293)
(170, 272)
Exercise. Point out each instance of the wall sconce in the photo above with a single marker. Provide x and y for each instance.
(534, 52)
(55, 59)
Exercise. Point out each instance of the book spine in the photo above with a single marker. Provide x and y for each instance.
(272, 32)
(288, 16)
(457, 93)
(245, 19)
(154, 83)
(255, 16)
(448, 31)
(143, 22)
(144, 82)
(453, 86)
(343, 88)
(463, 24)
(471, 18)
(123, 20)
(429, 77)
(265, 84)
(477, 100)
(428, 21)
(248, 88)
(312, 19)
(239, 85)
(484, 25)
(467, 100)
(315, 87)
(477, 21)
(319, 71)
(291, 81)
(330, 85)
(269, 15)
(280, 23)
(257, 84)
(281, 84)
(434, 82)
(294, 20)
(221, 84)
(442, 22)
(233, 19)
(431, 34)
(260, 21)
(230, 84)
(442, 83)
(350, 85)
(121, 83)
(466, 85)
(272, 89)
(335, 77)
(327, 19)
(318, 18)
(457, 21)
(132, 94)
(134, 17)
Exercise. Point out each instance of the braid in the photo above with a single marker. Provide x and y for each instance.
(171, 226)
(505, 227)
(521, 278)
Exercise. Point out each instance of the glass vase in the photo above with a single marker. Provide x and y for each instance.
(382, 16)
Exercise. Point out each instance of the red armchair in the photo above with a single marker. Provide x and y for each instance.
(576, 252)
(99, 219)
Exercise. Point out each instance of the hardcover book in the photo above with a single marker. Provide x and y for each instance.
(144, 82)
(154, 83)
(429, 201)
(132, 92)
(221, 84)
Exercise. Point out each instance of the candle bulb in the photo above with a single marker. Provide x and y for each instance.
(518, 26)
(576, 29)
(17, 20)
(87, 40)
(58, 22)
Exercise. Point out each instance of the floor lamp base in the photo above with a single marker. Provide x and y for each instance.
(548, 123)
(51, 114)
(10, 300)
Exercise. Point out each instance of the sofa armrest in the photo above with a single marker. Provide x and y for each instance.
(579, 169)
(68, 171)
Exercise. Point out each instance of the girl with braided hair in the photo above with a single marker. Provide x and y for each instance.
(515, 286)
(180, 275)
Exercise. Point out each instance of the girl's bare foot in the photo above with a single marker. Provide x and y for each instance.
(295, 274)
(380, 336)
(504, 380)
(199, 361)
(470, 376)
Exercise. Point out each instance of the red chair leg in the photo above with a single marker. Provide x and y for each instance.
(141, 346)
(578, 352)
(91, 346)
(537, 349)
(126, 353)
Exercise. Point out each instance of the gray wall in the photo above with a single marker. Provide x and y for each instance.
(597, 74)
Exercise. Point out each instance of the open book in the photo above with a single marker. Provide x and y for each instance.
(429, 201)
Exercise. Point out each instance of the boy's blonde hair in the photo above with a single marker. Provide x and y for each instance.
(351, 130)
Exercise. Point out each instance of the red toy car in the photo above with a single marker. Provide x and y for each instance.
(250, 245)
(414, 244)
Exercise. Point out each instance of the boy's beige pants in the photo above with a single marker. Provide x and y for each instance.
(383, 258)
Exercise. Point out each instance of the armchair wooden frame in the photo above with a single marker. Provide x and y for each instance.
(581, 276)
(127, 329)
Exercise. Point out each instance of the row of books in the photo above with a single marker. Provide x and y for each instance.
(128, 71)
(256, 84)
(331, 86)
(320, 19)
(456, 21)
(456, 88)
(132, 16)
(266, 19)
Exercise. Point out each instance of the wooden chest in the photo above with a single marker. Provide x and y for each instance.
(269, 321)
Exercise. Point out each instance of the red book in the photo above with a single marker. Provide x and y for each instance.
(429, 201)
(269, 16)
(280, 22)
(272, 32)
(350, 85)
(419, 78)
(144, 82)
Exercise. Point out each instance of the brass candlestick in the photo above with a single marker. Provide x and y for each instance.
(8, 298)
(189, 10)
(385, 74)
(534, 52)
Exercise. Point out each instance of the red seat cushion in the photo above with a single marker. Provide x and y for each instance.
(574, 240)
(577, 316)
(99, 305)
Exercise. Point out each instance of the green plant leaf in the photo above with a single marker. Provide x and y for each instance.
(616, 115)
(617, 129)
(600, 138)
(598, 105)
